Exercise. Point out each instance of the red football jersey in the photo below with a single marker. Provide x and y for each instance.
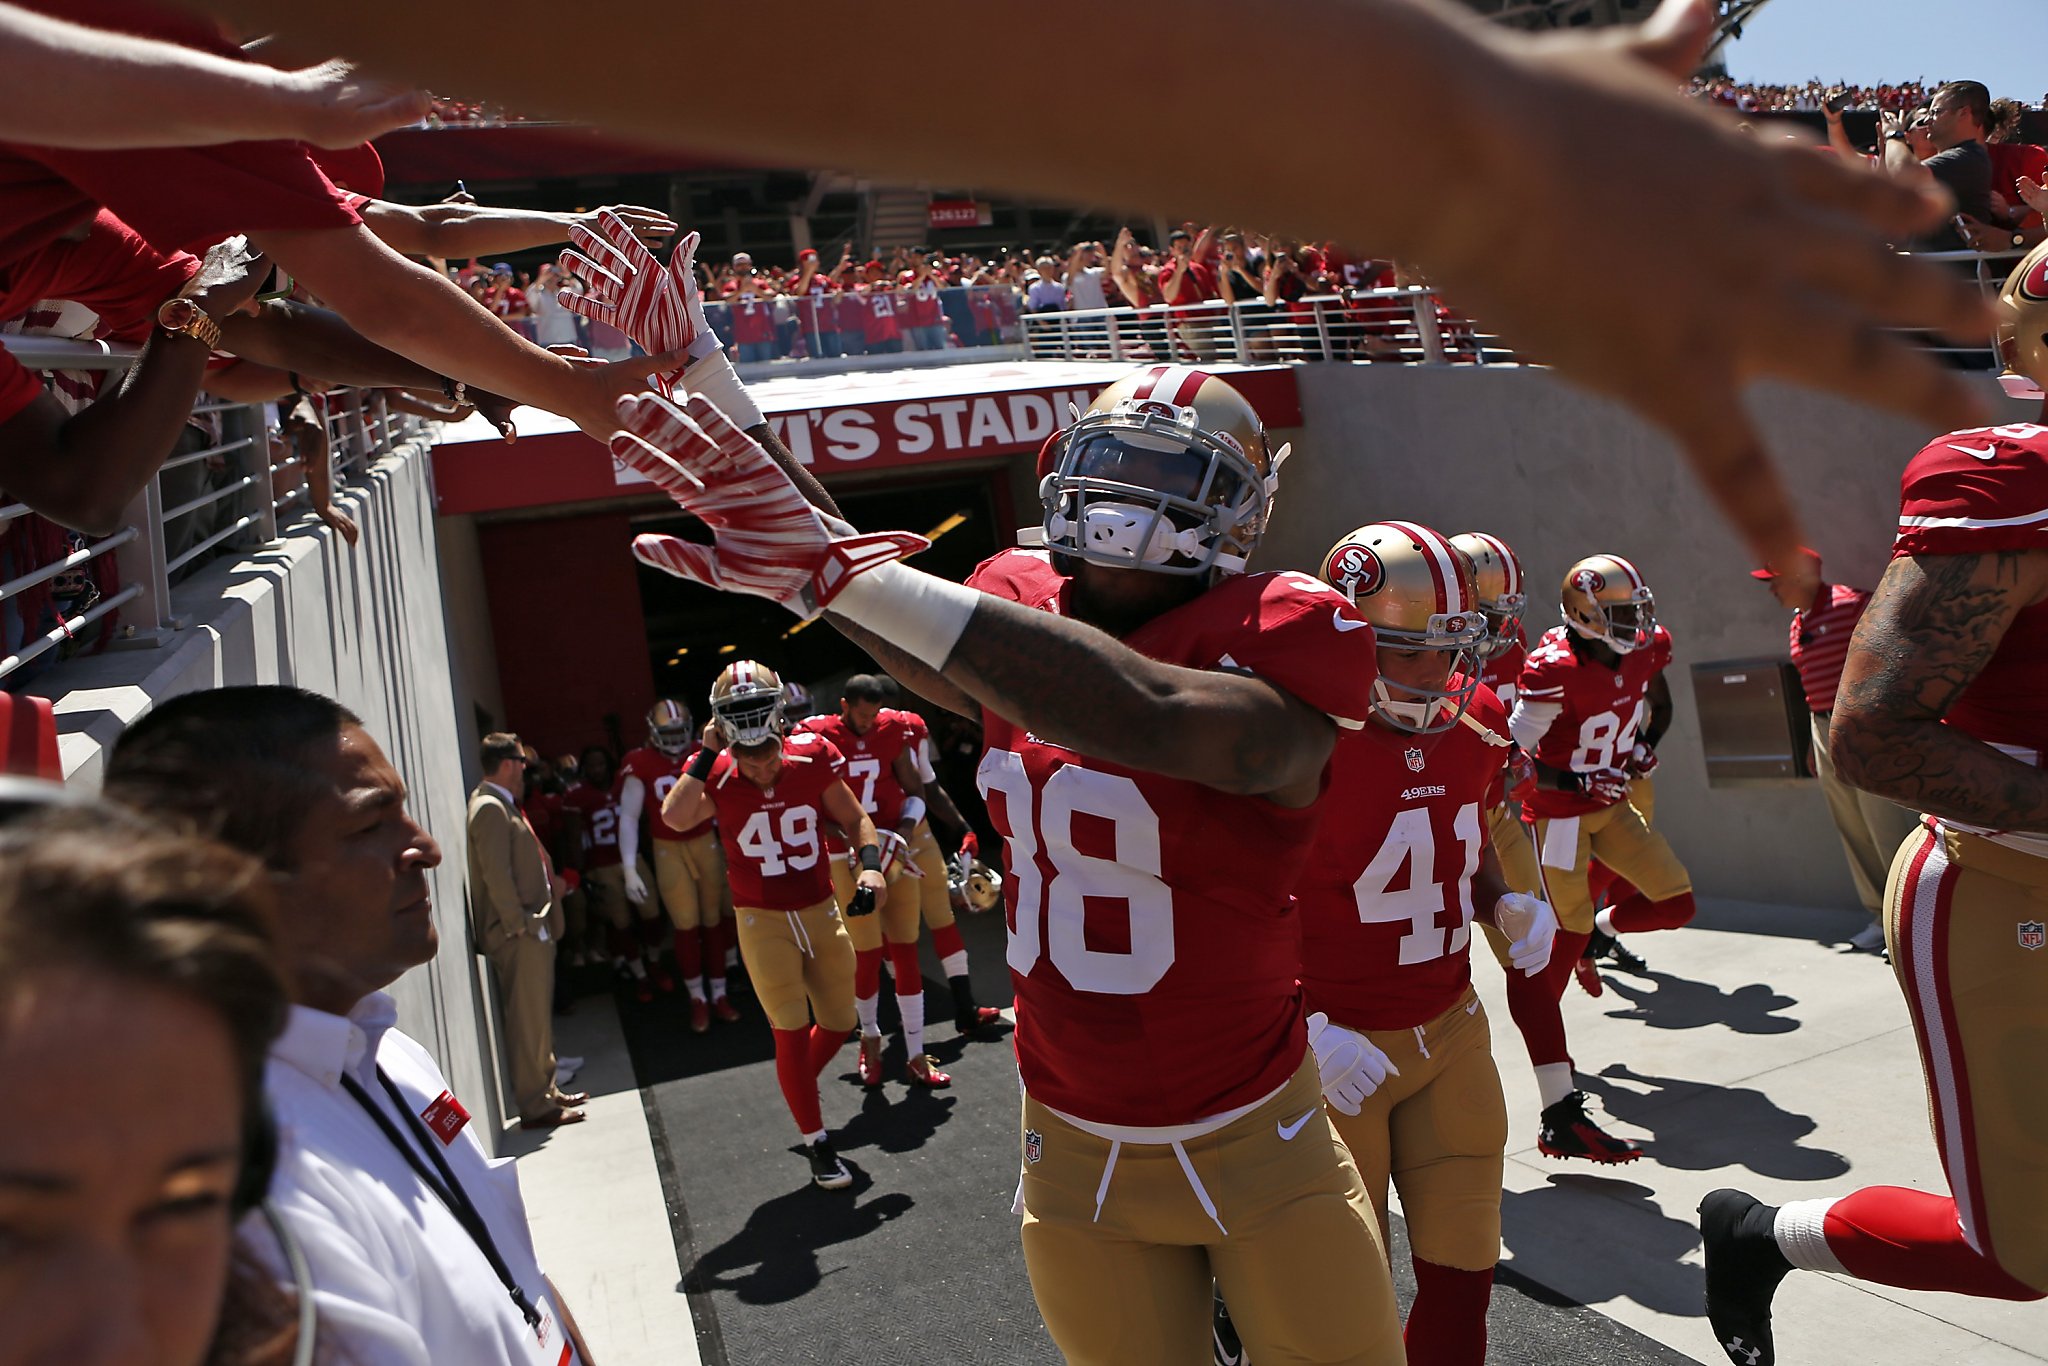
(1973, 493)
(600, 823)
(1597, 727)
(657, 773)
(774, 847)
(1153, 949)
(870, 764)
(1504, 670)
(1386, 899)
(881, 322)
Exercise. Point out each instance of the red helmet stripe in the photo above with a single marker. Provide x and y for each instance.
(1635, 580)
(1191, 382)
(1441, 559)
(1151, 381)
(1507, 559)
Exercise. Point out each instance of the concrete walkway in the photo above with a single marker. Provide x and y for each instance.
(1754, 1055)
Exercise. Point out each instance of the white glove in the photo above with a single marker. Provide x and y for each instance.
(636, 886)
(770, 542)
(1352, 1068)
(1642, 760)
(1531, 925)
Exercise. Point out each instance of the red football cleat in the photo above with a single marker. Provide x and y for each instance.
(663, 980)
(976, 1018)
(870, 1060)
(700, 1016)
(725, 1010)
(1588, 973)
(923, 1070)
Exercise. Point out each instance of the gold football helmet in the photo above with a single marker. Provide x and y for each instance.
(1497, 575)
(1605, 599)
(972, 884)
(746, 702)
(2023, 335)
(670, 728)
(1416, 589)
(1168, 470)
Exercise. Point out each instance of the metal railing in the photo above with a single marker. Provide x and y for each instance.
(1408, 326)
(846, 323)
(231, 482)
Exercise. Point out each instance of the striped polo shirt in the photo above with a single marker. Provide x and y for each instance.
(1820, 641)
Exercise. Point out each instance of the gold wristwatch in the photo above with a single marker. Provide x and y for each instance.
(187, 319)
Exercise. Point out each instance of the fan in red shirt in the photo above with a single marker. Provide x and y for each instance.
(1579, 713)
(591, 807)
(1387, 901)
(689, 870)
(1944, 708)
(773, 798)
(882, 323)
(924, 315)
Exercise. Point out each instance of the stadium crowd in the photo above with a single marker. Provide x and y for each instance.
(207, 942)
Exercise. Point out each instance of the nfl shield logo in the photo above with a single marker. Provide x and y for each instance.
(2033, 934)
(1034, 1145)
(1414, 758)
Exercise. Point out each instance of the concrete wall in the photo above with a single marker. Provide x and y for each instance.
(1560, 474)
(364, 626)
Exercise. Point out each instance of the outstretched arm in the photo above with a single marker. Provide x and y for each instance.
(1931, 627)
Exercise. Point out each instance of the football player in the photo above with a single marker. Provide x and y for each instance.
(689, 870)
(880, 771)
(1173, 1127)
(591, 804)
(1387, 904)
(1944, 709)
(1577, 709)
(772, 797)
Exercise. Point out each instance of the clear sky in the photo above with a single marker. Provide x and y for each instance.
(2003, 43)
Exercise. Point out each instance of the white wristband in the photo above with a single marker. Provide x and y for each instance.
(919, 613)
(913, 811)
(714, 380)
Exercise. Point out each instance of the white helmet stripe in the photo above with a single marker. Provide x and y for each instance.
(1443, 564)
(1151, 381)
(1635, 579)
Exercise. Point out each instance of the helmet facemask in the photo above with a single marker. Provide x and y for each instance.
(1431, 711)
(750, 718)
(1143, 487)
(1623, 627)
(1503, 624)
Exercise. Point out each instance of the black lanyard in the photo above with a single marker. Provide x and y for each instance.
(445, 1186)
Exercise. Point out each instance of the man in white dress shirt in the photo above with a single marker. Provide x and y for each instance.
(416, 1239)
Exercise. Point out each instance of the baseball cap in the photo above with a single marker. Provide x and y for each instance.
(1769, 573)
(502, 268)
(740, 256)
(807, 254)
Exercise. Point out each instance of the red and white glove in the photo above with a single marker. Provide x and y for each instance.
(628, 288)
(769, 541)
(1605, 785)
(1641, 761)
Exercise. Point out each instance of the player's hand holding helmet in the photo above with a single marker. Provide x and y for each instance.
(895, 851)
(770, 542)
(1351, 1065)
(1531, 926)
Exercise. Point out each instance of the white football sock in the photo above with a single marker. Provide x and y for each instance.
(1554, 1082)
(718, 987)
(696, 986)
(635, 968)
(869, 1008)
(913, 1021)
(954, 964)
(814, 1137)
(1603, 920)
(1800, 1228)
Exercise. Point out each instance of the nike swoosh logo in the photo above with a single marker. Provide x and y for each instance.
(1985, 454)
(1288, 1131)
(1224, 1356)
(1341, 624)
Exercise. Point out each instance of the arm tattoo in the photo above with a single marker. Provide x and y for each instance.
(1081, 688)
(1931, 627)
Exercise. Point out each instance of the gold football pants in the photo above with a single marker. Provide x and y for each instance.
(1617, 836)
(691, 874)
(605, 890)
(1967, 923)
(1122, 1252)
(800, 964)
(1438, 1130)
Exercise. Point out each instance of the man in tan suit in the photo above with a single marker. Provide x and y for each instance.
(512, 910)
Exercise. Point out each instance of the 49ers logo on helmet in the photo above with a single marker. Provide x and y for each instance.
(1154, 408)
(2034, 284)
(1357, 571)
(1589, 581)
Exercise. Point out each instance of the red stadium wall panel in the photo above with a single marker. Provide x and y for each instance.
(565, 612)
(835, 424)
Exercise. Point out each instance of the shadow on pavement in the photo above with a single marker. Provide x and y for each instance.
(1698, 1126)
(774, 1258)
(1641, 1243)
(1673, 1002)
